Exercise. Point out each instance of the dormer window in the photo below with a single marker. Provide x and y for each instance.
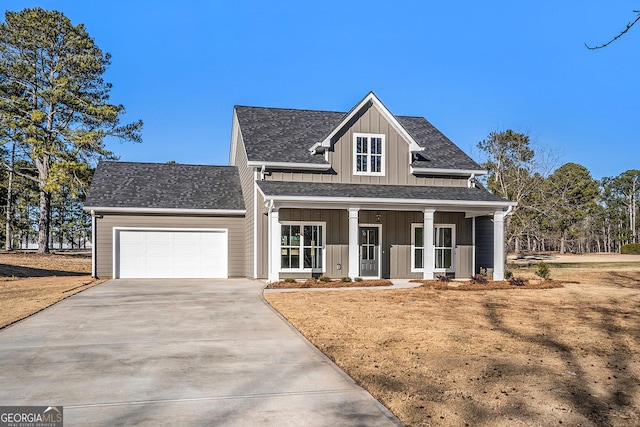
(368, 154)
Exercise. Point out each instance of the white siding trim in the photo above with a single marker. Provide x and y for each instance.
(453, 172)
(498, 245)
(227, 212)
(235, 130)
(287, 165)
(354, 261)
(429, 249)
(255, 224)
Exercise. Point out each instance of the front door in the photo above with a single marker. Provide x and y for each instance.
(369, 252)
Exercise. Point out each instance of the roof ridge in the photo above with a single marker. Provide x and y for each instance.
(118, 162)
(291, 109)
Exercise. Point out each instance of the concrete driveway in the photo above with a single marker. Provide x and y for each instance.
(176, 352)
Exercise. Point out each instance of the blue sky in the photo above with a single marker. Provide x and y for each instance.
(469, 67)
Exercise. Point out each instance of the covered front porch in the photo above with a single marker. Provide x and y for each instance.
(382, 231)
(382, 243)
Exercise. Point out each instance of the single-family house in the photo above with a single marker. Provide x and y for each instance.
(306, 193)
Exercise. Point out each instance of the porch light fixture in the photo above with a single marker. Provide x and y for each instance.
(378, 217)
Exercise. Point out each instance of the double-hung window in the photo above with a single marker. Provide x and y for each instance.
(417, 247)
(368, 154)
(444, 244)
(302, 247)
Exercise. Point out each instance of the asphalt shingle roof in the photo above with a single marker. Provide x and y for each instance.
(335, 190)
(286, 135)
(165, 186)
(439, 151)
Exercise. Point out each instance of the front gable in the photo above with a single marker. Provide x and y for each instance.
(356, 112)
(371, 145)
(369, 148)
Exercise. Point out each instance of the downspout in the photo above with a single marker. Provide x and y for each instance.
(262, 170)
(93, 244)
(471, 182)
(509, 211)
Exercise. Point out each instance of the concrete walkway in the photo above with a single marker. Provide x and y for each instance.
(177, 352)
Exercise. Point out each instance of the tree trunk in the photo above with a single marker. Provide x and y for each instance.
(44, 222)
(634, 231)
(9, 212)
(562, 240)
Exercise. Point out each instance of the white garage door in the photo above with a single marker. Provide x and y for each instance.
(171, 254)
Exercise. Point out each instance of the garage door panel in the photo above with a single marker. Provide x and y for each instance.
(172, 254)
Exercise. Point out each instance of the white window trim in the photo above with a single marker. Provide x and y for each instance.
(368, 155)
(413, 247)
(302, 245)
(453, 248)
(433, 256)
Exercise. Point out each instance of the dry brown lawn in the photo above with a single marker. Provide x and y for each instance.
(311, 283)
(505, 357)
(30, 282)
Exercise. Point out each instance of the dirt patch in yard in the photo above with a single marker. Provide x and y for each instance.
(513, 357)
(490, 285)
(30, 282)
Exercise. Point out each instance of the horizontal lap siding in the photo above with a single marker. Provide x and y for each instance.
(105, 225)
(247, 181)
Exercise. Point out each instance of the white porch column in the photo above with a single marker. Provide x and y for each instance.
(274, 245)
(429, 249)
(354, 262)
(498, 245)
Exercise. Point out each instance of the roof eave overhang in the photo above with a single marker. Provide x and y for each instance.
(386, 203)
(288, 165)
(370, 97)
(452, 172)
(165, 211)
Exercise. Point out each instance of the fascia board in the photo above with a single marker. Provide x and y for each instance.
(235, 134)
(370, 97)
(102, 209)
(390, 201)
(286, 165)
(455, 172)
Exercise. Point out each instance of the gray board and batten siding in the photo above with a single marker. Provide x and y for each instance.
(395, 239)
